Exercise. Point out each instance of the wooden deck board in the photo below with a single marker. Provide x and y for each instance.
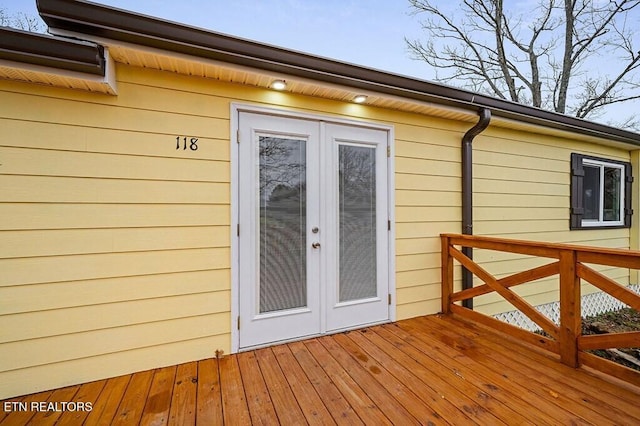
(491, 383)
(603, 407)
(209, 397)
(314, 391)
(429, 370)
(108, 401)
(88, 393)
(132, 404)
(156, 409)
(443, 397)
(46, 418)
(382, 391)
(451, 386)
(411, 393)
(258, 396)
(499, 377)
(23, 417)
(183, 401)
(314, 410)
(353, 392)
(546, 385)
(546, 389)
(284, 401)
(545, 362)
(234, 403)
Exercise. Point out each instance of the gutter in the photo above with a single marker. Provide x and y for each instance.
(43, 50)
(86, 18)
(467, 193)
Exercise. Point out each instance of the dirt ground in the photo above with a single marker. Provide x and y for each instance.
(615, 322)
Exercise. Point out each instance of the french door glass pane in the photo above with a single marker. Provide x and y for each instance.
(612, 178)
(591, 190)
(357, 222)
(283, 259)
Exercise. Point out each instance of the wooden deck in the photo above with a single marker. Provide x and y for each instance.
(429, 370)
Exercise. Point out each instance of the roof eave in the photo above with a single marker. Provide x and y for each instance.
(39, 49)
(97, 20)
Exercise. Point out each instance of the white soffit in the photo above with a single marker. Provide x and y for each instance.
(145, 57)
(200, 67)
(149, 57)
(56, 77)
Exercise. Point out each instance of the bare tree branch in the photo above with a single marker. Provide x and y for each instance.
(547, 57)
(21, 21)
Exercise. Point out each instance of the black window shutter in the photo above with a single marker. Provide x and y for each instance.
(628, 190)
(577, 193)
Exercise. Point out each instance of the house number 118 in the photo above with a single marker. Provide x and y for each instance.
(192, 143)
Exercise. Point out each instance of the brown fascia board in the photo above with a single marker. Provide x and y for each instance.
(39, 49)
(83, 17)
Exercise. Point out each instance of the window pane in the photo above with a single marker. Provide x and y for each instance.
(283, 273)
(357, 216)
(591, 187)
(612, 194)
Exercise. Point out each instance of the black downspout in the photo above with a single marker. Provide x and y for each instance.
(467, 193)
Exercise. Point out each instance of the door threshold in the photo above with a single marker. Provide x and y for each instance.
(312, 336)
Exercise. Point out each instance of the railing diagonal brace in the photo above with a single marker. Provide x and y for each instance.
(510, 281)
(524, 307)
(609, 286)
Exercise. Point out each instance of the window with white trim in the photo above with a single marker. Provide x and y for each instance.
(600, 192)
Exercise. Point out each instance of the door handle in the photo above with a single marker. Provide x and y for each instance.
(315, 245)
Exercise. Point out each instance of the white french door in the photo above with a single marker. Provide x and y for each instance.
(313, 246)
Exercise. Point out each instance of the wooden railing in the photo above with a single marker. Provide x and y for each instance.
(569, 263)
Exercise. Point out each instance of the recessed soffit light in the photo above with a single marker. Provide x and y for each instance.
(278, 85)
(360, 99)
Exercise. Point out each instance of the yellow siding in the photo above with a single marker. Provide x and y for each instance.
(108, 364)
(522, 191)
(115, 248)
(37, 270)
(427, 203)
(15, 244)
(27, 298)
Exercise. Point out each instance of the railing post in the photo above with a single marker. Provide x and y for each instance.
(447, 274)
(570, 310)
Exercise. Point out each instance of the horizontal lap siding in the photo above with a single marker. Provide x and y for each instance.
(428, 203)
(521, 191)
(114, 246)
(427, 183)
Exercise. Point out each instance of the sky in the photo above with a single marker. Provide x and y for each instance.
(364, 32)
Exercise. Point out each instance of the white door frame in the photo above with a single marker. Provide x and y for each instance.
(236, 108)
